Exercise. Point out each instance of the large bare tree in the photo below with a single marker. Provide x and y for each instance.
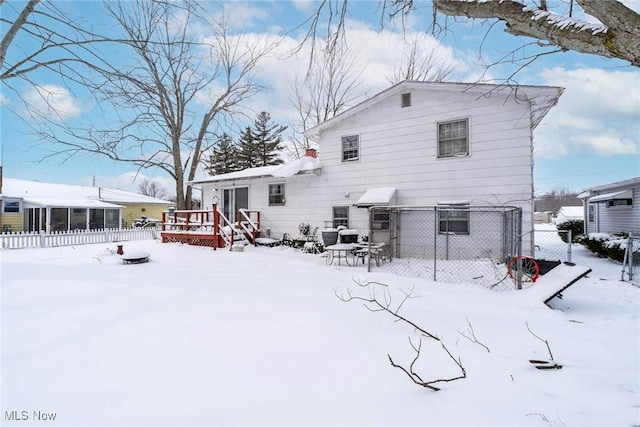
(419, 63)
(329, 87)
(163, 105)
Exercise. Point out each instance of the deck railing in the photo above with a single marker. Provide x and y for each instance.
(34, 239)
(201, 226)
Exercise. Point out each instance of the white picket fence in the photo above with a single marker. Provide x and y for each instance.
(76, 237)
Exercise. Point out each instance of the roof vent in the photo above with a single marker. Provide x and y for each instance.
(405, 100)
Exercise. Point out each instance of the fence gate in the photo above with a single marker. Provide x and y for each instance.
(448, 243)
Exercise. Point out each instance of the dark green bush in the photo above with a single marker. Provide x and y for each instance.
(577, 229)
(596, 245)
(606, 246)
(614, 251)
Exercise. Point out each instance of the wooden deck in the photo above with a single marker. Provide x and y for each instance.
(192, 238)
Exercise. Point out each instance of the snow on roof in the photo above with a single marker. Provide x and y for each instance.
(571, 211)
(121, 196)
(245, 173)
(24, 189)
(301, 165)
(541, 99)
(69, 203)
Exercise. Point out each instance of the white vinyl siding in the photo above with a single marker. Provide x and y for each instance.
(619, 218)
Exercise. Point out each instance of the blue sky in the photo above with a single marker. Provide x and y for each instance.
(591, 137)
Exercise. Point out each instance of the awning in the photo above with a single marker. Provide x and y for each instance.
(618, 195)
(383, 196)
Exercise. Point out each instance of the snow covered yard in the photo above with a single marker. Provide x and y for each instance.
(197, 337)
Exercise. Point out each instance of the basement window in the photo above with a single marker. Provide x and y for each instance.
(453, 220)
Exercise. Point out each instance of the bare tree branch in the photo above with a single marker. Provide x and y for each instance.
(7, 39)
(420, 64)
(619, 38)
(374, 303)
(472, 336)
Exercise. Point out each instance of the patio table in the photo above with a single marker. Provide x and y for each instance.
(339, 251)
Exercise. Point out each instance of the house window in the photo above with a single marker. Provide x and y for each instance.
(340, 216)
(405, 100)
(380, 220)
(112, 218)
(276, 194)
(619, 202)
(453, 220)
(350, 148)
(453, 138)
(592, 212)
(11, 207)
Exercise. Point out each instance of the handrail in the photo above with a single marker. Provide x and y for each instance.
(253, 229)
(225, 222)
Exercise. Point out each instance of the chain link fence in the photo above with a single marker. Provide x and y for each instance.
(552, 244)
(448, 243)
(631, 262)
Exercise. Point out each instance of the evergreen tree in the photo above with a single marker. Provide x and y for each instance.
(267, 139)
(224, 158)
(247, 150)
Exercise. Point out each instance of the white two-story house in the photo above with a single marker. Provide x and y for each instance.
(416, 143)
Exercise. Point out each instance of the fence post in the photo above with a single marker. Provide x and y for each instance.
(519, 242)
(630, 265)
(627, 261)
(42, 239)
(569, 243)
(216, 225)
(436, 223)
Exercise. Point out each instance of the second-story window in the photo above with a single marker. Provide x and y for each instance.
(350, 148)
(453, 138)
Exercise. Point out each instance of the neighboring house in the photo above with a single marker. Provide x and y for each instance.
(542, 217)
(416, 143)
(39, 206)
(612, 208)
(569, 213)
